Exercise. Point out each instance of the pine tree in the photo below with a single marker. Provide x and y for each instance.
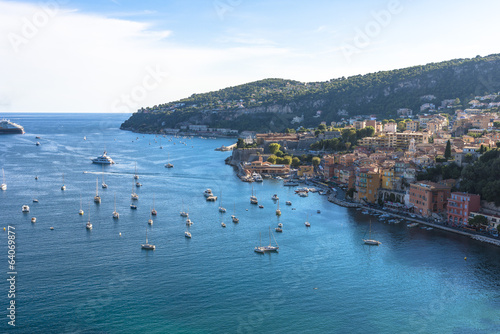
(447, 151)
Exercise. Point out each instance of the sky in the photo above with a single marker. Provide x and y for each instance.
(118, 56)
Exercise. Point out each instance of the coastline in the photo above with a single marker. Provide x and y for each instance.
(473, 236)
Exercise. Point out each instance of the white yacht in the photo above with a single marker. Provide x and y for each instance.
(103, 159)
(257, 178)
(189, 222)
(222, 224)
(288, 203)
(187, 234)
(275, 197)
(33, 219)
(211, 198)
(208, 193)
(278, 211)
(25, 208)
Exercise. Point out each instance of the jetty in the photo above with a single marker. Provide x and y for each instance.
(332, 198)
(226, 148)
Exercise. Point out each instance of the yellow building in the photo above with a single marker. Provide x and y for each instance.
(306, 171)
(368, 183)
(389, 179)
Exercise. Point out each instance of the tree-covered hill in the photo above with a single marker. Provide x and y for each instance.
(271, 104)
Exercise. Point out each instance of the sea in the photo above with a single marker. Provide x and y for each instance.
(324, 279)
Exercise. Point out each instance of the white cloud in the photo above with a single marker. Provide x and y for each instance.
(80, 62)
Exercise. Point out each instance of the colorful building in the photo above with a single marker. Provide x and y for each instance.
(367, 183)
(460, 205)
(429, 197)
(305, 171)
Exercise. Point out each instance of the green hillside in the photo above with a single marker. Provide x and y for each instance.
(271, 104)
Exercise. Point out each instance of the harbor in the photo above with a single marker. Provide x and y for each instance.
(216, 271)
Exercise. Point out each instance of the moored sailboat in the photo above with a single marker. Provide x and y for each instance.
(370, 241)
(116, 215)
(147, 245)
(253, 198)
(80, 212)
(153, 211)
(63, 187)
(97, 198)
(4, 185)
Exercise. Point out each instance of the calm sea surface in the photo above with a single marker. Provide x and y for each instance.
(323, 280)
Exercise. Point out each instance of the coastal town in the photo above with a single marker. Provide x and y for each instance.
(389, 168)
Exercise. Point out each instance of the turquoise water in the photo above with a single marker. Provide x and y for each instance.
(323, 280)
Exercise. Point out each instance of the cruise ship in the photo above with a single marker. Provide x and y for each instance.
(7, 127)
(103, 160)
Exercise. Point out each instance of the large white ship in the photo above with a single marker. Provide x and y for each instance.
(8, 127)
(103, 160)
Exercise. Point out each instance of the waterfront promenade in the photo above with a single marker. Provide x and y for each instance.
(474, 236)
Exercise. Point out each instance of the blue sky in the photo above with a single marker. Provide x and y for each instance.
(117, 56)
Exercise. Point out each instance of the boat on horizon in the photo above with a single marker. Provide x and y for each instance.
(8, 127)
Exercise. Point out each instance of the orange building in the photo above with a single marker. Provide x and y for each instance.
(429, 197)
(264, 167)
(368, 182)
(460, 205)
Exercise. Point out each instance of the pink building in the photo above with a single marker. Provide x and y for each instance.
(460, 205)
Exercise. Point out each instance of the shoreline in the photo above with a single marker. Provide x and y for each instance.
(473, 236)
